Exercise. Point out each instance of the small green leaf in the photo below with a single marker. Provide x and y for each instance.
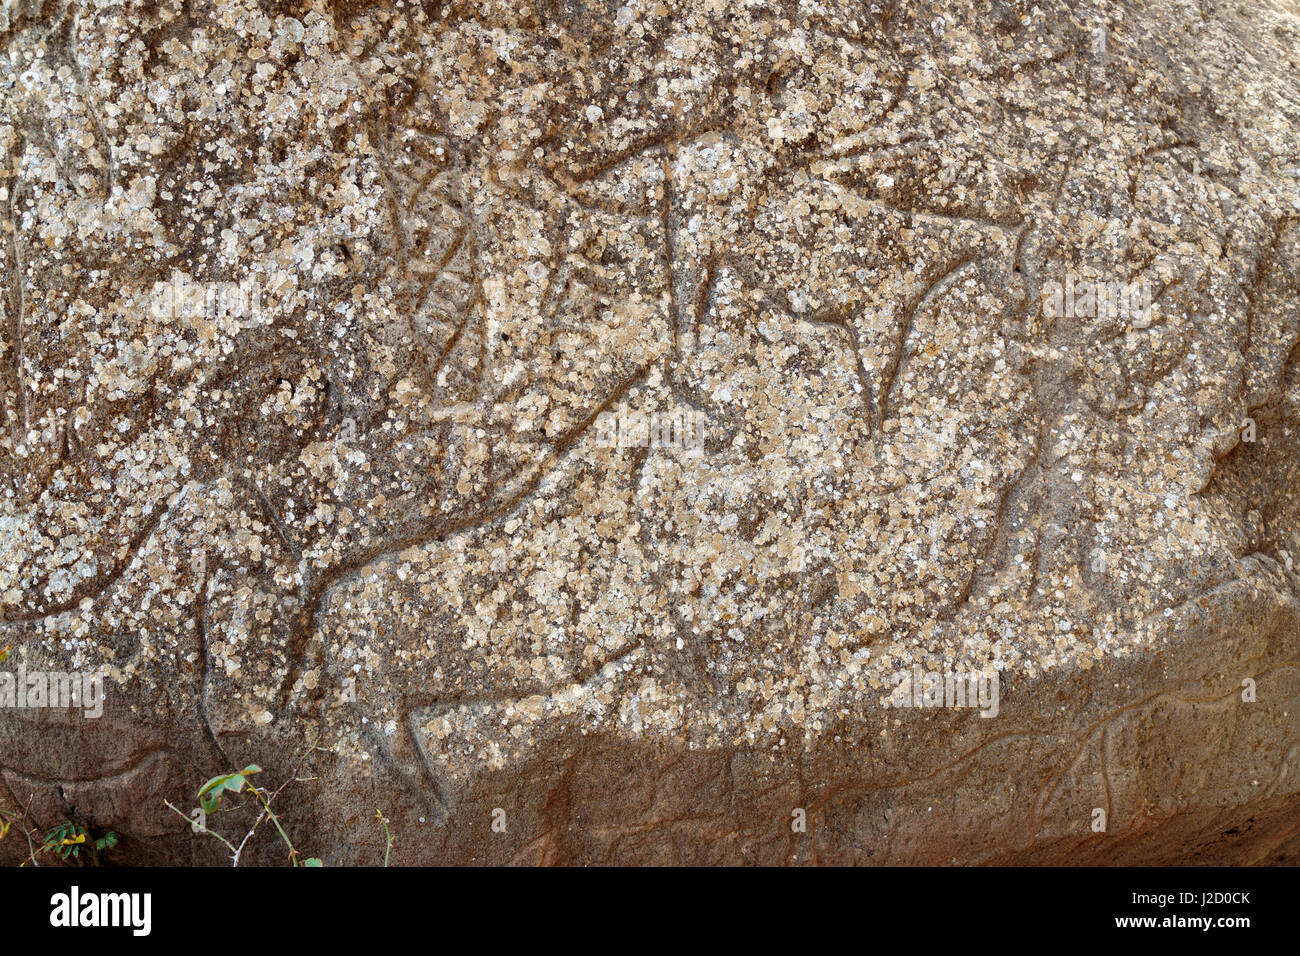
(312, 861)
(210, 793)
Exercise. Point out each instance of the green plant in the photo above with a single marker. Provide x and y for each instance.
(68, 839)
(212, 793)
(388, 835)
(8, 818)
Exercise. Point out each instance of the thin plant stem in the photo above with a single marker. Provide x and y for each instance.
(205, 827)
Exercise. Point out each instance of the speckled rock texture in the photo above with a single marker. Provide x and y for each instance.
(331, 333)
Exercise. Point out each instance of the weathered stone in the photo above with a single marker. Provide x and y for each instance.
(578, 416)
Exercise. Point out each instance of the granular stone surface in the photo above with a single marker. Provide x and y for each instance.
(598, 428)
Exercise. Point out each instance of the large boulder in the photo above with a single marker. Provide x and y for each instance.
(593, 433)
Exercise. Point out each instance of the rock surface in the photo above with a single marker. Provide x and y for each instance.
(328, 330)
